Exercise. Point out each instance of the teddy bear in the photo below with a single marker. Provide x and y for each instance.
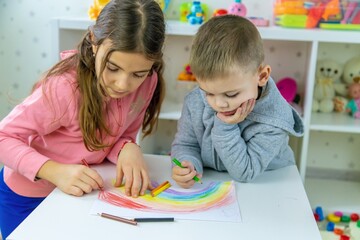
(351, 74)
(328, 73)
(352, 71)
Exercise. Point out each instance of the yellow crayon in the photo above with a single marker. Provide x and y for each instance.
(162, 187)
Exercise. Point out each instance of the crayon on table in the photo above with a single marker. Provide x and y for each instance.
(119, 219)
(169, 219)
(176, 162)
(162, 187)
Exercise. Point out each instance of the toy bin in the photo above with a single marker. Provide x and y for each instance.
(329, 14)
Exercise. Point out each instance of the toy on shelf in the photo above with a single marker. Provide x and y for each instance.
(353, 106)
(187, 74)
(95, 9)
(351, 74)
(185, 11)
(237, 8)
(338, 224)
(328, 72)
(352, 71)
(219, 12)
(330, 14)
(186, 82)
(288, 89)
(163, 4)
(196, 15)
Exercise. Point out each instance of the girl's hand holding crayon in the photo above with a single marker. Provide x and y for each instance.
(131, 167)
(184, 176)
(240, 114)
(73, 179)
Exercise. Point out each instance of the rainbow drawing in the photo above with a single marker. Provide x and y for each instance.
(214, 195)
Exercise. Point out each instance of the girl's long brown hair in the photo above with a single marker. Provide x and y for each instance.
(133, 26)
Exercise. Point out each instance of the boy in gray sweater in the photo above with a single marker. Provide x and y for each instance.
(236, 120)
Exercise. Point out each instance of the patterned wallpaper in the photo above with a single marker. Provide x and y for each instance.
(25, 43)
(25, 39)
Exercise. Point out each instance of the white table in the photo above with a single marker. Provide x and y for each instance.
(274, 206)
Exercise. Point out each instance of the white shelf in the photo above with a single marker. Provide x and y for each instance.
(175, 27)
(170, 111)
(74, 23)
(333, 195)
(334, 122)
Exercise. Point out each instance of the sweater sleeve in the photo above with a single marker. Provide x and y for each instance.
(44, 111)
(185, 145)
(131, 132)
(245, 160)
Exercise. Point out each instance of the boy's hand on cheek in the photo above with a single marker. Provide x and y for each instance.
(184, 176)
(241, 113)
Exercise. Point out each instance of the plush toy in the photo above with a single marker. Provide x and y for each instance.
(327, 73)
(237, 8)
(353, 106)
(351, 74)
(288, 87)
(196, 15)
(352, 71)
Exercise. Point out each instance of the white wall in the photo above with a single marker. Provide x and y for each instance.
(25, 43)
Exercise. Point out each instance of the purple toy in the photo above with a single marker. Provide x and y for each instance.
(237, 8)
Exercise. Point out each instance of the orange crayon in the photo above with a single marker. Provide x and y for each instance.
(162, 187)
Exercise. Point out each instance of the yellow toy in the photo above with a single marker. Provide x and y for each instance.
(163, 4)
(95, 9)
(187, 74)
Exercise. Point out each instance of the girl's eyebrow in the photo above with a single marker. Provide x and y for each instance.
(140, 71)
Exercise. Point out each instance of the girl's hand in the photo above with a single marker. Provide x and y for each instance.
(184, 176)
(240, 114)
(131, 167)
(72, 179)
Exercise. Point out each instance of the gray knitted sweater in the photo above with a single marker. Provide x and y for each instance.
(246, 149)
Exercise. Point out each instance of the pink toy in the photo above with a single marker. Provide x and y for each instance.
(237, 8)
(287, 87)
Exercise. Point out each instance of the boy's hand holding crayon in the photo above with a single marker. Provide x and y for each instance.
(184, 174)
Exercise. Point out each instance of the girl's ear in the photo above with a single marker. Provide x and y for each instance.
(264, 75)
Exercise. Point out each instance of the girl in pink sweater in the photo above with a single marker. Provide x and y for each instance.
(89, 107)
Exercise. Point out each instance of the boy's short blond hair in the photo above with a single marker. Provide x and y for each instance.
(223, 43)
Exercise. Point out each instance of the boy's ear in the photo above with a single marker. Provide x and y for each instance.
(264, 75)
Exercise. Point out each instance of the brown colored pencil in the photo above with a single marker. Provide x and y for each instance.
(119, 219)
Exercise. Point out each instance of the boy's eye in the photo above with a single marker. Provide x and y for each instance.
(231, 95)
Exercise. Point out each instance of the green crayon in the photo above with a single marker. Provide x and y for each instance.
(176, 162)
